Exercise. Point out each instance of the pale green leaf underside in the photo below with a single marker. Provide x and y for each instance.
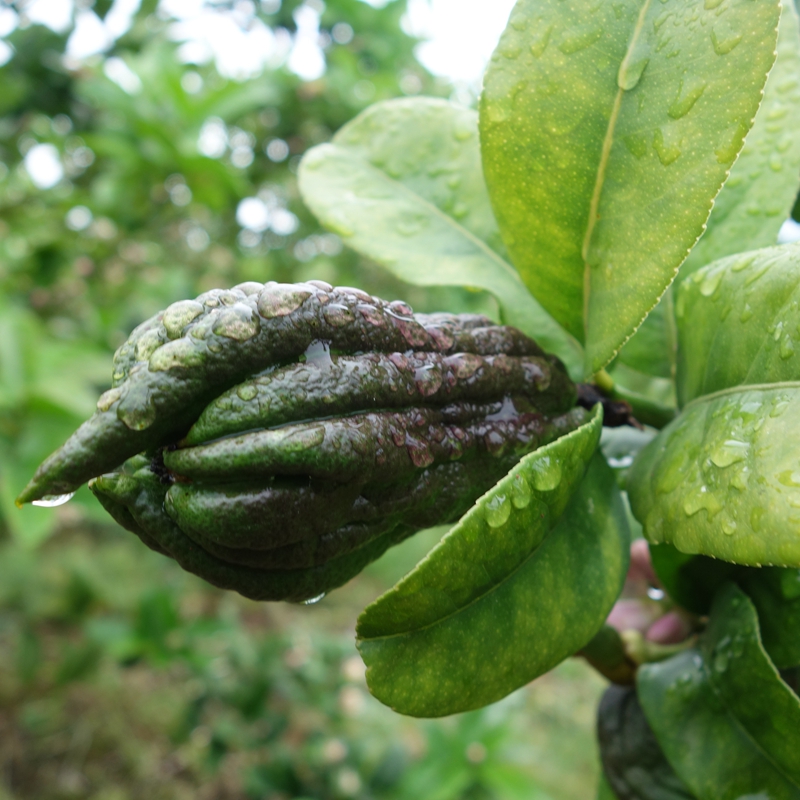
(509, 592)
(762, 187)
(402, 184)
(724, 480)
(738, 322)
(727, 723)
(607, 130)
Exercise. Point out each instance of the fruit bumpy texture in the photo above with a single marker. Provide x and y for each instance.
(275, 439)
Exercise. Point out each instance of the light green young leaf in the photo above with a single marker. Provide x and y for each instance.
(512, 589)
(726, 721)
(402, 184)
(607, 130)
(762, 187)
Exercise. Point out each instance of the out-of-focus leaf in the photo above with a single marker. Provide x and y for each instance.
(762, 187)
(607, 131)
(776, 596)
(726, 721)
(402, 183)
(633, 763)
(651, 350)
(512, 589)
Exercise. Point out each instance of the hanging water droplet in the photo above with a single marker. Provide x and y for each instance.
(521, 493)
(746, 314)
(787, 347)
(654, 593)
(313, 600)
(546, 473)
(53, 500)
(497, 511)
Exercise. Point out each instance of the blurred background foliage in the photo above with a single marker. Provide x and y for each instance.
(144, 173)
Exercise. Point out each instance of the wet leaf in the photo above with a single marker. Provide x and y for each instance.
(738, 322)
(402, 183)
(512, 589)
(761, 190)
(722, 479)
(726, 721)
(606, 133)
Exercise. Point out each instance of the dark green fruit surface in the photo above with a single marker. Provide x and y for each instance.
(275, 439)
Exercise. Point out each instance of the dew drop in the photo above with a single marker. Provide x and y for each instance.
(728, 526)
(787, 347)
(546, 473)
(338, 316)
(699, 500)
(53, 500)
(667, 154)
(654, 593)
(711, 283)
(746, 314)
(520, 492)
(238, 322)
(688, 95)
(789, 478)
(630, 73)
(724, 44)
(497, 511)
(540, 42)
(730, 452)
(579, 39)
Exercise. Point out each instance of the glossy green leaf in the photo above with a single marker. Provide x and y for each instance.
(652, 349)
(402, 183)
(511, 590)
(723, 480)
(761, 190)
(726, 721)
(607, 130)
(738, 322)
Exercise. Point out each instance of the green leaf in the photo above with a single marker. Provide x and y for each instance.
(776, 595)
(509, 592)
(607, 131)
(722, 479)
(738, 322)
(651, 350)
(402, 184)
(761, 190)
(604, 791)
(726, 721)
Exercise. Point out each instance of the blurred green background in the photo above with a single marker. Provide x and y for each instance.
(129, 179)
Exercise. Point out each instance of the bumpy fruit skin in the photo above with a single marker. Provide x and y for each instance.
(275, 439)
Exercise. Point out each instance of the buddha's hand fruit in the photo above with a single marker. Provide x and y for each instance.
(275, 439)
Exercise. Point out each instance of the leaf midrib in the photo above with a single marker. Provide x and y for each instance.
(605, 155)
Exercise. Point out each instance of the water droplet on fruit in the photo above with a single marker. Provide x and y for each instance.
(280, 299)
